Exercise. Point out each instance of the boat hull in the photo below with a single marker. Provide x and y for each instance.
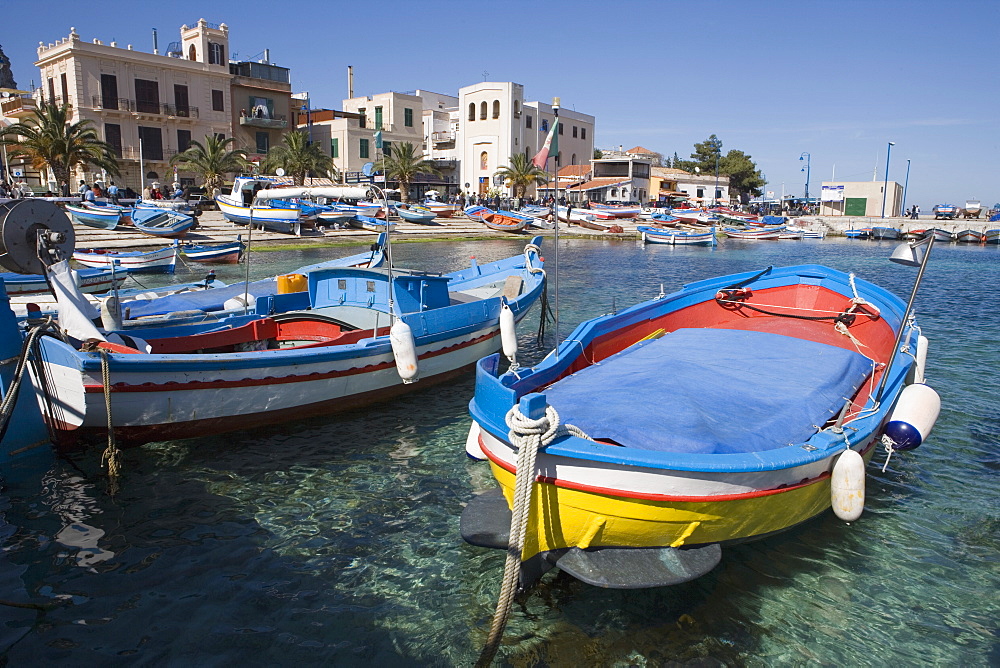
(103, 220)
(652, 235)
(271, 218)
(222, 254)
(160, 261)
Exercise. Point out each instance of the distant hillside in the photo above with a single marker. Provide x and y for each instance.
(6, 76)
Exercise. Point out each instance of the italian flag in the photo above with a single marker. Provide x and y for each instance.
(551, 145)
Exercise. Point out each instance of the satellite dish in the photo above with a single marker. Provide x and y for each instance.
(280, 171)
(366, 169)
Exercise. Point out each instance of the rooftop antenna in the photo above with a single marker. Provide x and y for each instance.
(156, 46)
(350, 82)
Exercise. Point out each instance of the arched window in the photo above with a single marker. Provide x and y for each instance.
(614, 192)
(484, 160)
(472, 111)
(192, 53)
(482, 111)
(573, 161)
(496, 108)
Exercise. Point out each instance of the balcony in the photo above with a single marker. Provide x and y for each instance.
(446, 137)
(131, 153)
(272, 122)
(142, 107)
(17, 107)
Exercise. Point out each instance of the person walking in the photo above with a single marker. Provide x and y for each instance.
(113, 193)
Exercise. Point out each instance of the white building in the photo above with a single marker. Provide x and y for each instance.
(860, 198)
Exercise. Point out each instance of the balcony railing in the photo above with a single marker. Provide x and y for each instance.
(442, 137)
(273, 121)
(17, 105)
(125, 104)
(132, 153)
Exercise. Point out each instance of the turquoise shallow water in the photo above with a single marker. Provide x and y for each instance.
(336, 539)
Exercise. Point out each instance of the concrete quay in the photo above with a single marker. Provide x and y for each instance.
(837, 225)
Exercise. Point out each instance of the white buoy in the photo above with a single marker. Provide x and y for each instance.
(913, 417)
(472, 443)
(111, 314)
(921, 365)
(847, 486)
(404, 349)
(508, 333)
(238, 302)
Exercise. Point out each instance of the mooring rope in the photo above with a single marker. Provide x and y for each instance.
(111, 453)
(528, 436)
(10, 399)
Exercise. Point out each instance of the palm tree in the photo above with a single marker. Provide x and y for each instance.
(50, 141)
(522, 173)
(402, 165)
(212, 160)
(298, 157)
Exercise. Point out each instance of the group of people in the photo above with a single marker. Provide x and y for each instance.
(155, 191)
(14, 190)
(913, 212)
(90, 193)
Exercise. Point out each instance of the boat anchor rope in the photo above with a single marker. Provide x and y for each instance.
(111, 454)
(10, 399)
(528, 436)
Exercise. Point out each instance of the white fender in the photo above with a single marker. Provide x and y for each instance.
(404, 349)
(847, 486)
(472, 443)
(913, 417)
(111, 314)
(508, 332)
(238, 302)
(921, 365)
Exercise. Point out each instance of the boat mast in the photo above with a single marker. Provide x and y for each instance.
(555, 216)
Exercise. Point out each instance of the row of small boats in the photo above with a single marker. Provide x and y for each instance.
(991, 236)
(149, 217)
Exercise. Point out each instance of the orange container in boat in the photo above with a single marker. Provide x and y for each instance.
(292, 283)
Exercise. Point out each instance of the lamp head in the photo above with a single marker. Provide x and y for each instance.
(801, 158)
(909, 254)
(892, 143)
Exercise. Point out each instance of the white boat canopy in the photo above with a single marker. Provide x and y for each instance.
(347, 192)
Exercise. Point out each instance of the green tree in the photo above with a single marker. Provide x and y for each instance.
(744, 176)
(522, 174)
(298, 157)
(703, 157)
(212, 160)
(598, 154)
(403, 165)
(48, 140)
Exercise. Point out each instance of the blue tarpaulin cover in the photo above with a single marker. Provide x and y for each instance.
(203, 300)
(711, 391)
(773, 220)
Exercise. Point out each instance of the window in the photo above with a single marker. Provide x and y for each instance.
(183, 140)
(386, 148)
(378, 118)
(482, 111)
(517, 109)
(65, 88)
(218, 101)
(496, 108)
(147, 96)
(151, 143)
(573, 160)
(472, 111)
(52, 90)
(220, 135)
(614, 192)
(109, 91)
(216, 54)
(335, 147)
(181, 100)
(192, 53)
(718, 193)
(700, 192)
(113, 135)
(408, 118)
(583, 133)
(263, 142)
(574, 132)
(560, 128)
(363, 121)
(527, 151)
(484, 160)
(527, 121)
(559, 159)
(363, 148)
(261, 107)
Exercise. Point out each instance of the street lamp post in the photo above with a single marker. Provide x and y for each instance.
(885, 186)
(906, 183)
(808, 170)
(717, 146)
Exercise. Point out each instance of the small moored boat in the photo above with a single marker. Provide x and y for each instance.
(160, 261)
(228, 253)
(162, 223)
(674, 237)
(94, 217)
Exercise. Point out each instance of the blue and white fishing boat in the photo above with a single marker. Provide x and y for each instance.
(228, 253)
(884, 232)
(162, 222)
(476, 212)
(730, 410)
(675, 237)
(372, 224)
(94, 217)
(754, 233)
(88, 281)
(159, 261)
(369, 335)
(412, 213)
(242, 206)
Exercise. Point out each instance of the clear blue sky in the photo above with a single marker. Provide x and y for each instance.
(836, 79)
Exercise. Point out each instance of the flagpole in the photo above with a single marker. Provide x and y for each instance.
(555, 216)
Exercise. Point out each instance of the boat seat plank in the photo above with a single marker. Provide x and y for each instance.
(711, 391)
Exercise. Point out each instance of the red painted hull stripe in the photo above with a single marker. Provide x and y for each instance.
(648, 496)
(252, 382)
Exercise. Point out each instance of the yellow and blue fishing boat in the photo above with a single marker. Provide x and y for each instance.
(733, 409)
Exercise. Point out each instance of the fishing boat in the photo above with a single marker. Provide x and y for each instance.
(440, 209)
(861, 233)
(369, 336)
(664, 219)
(160, 261)
(973, 209)
(125, 212)
(755, 233)
(93, 217)
(968, 237)
(733, 409)
(694, 216)
(882, 232)
(945, 211)
(162, 223)
(674, 237)
(334, 216)
(992, 236)
(476, 212)
(505, 221)
(412, 213)
(240, 206)
(372, 224)
(87, 280)
(581, 217)
(228, 253)
(617, 210)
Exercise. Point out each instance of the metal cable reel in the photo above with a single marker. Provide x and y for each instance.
(33, 235)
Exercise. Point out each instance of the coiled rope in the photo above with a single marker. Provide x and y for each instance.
(111, 453)
(528, 436)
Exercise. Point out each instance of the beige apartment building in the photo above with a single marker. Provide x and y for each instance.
(262, 105)
(149, 106)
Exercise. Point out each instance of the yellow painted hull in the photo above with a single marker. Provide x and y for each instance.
(562, 517)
